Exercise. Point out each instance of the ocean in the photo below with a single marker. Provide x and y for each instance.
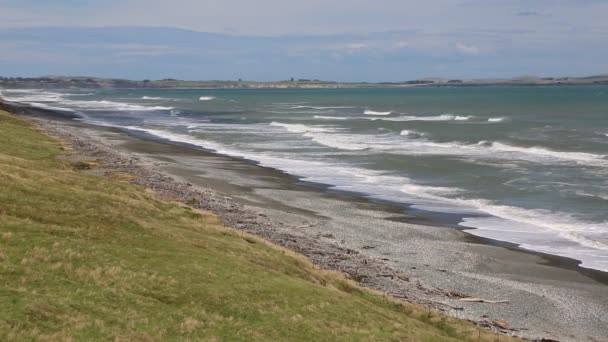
(525, 165)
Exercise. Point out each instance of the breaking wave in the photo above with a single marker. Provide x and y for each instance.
(496, 119)
(371, 112)
(412, 134)
(330, 117)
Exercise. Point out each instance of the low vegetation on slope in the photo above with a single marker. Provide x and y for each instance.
(86, 257)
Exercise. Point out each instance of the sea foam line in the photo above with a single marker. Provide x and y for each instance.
(442, 117)
(322, 117)
(58, 101)
(336, 138)
(372, 112)
(321, 107)
(299, 128)
(496, 119)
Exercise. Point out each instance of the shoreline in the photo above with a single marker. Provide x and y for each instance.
(351, 250)
(431, 219)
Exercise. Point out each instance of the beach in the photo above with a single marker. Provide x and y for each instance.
(428, 261)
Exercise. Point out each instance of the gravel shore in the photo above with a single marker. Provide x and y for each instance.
(499, 287)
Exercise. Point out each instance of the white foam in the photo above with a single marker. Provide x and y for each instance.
(299, 128)
(206, 98)
(371, 112)
(496, 119)
(462, 118)
(442, 117)
(534, 229)
(600, 196)
(39, 97)
(321, 107)
(498, 150)
(111, 105)
(412, 134)
(542, 231)
(152, 98)
(419, 146)
(579, 157)
(330, 117)
(483, 149)
(51, 100)
(339, 141)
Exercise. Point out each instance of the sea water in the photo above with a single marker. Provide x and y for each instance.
(526, 165)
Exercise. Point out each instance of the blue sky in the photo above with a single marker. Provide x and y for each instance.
(382, 40)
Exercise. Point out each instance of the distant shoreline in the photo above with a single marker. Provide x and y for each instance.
(97, 83)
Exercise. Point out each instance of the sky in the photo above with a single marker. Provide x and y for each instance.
(354, 40)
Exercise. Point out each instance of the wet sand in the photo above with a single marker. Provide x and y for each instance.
(384, 246)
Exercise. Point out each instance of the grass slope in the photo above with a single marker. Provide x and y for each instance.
(85, 257)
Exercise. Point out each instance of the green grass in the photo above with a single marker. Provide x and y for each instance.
(87, 257)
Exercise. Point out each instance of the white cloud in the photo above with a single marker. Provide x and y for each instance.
(357, 46)
(467, 49)
(415, 32)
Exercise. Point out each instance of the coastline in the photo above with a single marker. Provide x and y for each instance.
(373, 243)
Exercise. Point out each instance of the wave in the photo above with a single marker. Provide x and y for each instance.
(371, 112)
(58, 101)
(206, 98)
(498, 150)
(412, 134)
(542, 231)
(152, 98)
(579, 157)
(442, 117)
(496, 119)
(420, 146)
(299, 128)
(80, 94)
(336, 138)
(111, 105)
(338, 141)
(534, 229)
(321, 107)
(330, 117)
(585, 194)
(41, 97)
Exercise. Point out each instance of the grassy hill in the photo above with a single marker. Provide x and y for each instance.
(87, 257)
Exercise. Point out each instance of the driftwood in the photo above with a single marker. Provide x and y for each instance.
(481, 300)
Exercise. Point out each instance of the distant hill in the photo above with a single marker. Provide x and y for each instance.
(65, 82)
